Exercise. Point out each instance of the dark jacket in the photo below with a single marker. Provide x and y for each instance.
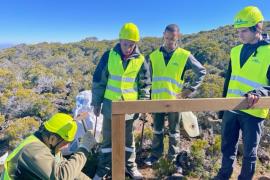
(246, 52)
(101, 76)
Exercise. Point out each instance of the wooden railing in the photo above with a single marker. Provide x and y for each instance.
(120, 108)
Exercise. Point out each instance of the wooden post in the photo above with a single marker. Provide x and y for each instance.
(118, 146)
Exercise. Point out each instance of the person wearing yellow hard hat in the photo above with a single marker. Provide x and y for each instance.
(39, 157)
(248, 75)
(122, 74)
(169, 64)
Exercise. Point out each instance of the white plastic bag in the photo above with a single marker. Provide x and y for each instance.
(83, 104)
(190, 124)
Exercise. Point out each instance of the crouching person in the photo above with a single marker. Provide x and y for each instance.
(39, 156)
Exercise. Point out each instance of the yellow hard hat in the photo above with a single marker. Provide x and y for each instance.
(63, 125)
(130, 32)
(248, 17)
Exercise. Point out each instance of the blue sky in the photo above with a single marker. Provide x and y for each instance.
(33, 21)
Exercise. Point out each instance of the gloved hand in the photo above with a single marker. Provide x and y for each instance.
(88, 141)
(97, 110)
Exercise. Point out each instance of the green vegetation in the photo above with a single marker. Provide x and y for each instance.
(38, 80)
(20, 129)
(164, 168)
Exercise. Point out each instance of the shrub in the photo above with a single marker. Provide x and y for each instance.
(163, 168)
(20, 129)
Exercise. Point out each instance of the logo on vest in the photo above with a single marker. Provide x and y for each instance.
(256, 60)
(175, 64)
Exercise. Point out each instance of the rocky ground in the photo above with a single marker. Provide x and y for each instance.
(209, 130)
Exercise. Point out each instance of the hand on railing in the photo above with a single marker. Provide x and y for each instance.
(252, 99)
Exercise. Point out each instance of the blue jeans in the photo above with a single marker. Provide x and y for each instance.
(251, 128)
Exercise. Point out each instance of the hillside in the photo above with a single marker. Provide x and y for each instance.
(38, 80)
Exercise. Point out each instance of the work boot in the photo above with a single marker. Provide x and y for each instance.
(150, 160)
(134, 173)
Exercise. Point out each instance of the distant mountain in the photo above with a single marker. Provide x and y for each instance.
(90, 39)
(6, 45)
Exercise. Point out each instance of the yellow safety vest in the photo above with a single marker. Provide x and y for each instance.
(166, 79)
(252, 75)
(27, 141)
(121, 84)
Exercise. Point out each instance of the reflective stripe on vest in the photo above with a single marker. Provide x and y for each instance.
(28, 140)
(166, 79)
(109, 150)
(252, 75)
(121, 83)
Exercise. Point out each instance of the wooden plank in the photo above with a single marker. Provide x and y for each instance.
(118, 146)
(181, 105)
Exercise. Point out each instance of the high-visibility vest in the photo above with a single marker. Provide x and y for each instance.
(166, 79)
(121, 84)
(252, 75)
(27, 141)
